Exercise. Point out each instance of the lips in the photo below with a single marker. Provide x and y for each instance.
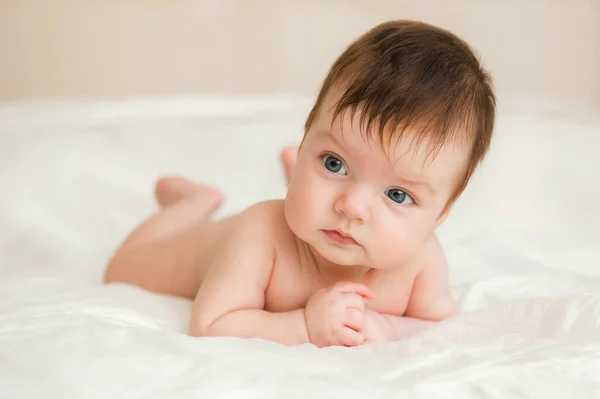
(340, 237)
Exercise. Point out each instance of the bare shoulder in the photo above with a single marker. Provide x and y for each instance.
(431, 298)
(431, 257)
(269, 217)
(246, 248)
(261, 225)
(264, 217)
(252, 226)
(253, 230)
(240, 269)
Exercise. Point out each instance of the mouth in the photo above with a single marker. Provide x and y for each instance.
(340, 237)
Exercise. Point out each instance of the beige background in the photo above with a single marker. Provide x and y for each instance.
(545, 49)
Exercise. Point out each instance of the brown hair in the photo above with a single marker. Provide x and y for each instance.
(408, 74)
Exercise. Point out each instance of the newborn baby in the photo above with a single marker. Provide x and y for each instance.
(350, 255)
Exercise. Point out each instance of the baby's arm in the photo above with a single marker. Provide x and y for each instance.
(231, 299)
(431, 300)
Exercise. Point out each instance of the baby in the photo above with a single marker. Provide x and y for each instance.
(350, 256)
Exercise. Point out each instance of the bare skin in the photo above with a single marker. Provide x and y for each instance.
(186, 209)
(184, 222)
(340, 261)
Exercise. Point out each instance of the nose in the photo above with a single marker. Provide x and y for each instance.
(354, 204)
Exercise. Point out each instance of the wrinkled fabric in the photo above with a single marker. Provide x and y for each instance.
(522, 244)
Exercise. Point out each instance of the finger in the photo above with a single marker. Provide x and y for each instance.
(349, 337)
(354, 319)
(354, 288)
(353, 301)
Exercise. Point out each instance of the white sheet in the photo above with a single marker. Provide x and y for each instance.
(523, 245)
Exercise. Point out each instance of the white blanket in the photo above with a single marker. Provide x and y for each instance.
(523, 245)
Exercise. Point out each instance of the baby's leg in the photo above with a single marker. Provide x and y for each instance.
(147, 257)
(158, 255)
(183, 205)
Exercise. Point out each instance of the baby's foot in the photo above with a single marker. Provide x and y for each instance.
(171, 190)
(288, 158)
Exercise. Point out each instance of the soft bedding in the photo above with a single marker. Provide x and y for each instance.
(523, 245)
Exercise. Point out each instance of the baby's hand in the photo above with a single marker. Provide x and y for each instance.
(334, 315)
(377, 328)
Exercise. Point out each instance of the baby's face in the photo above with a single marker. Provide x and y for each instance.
(357, 204)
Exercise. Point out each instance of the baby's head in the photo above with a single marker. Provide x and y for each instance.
(402, 120)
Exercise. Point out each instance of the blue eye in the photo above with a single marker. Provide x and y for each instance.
(333, 164)
(399, 196)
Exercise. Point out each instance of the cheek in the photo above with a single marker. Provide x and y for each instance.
(293, 205)
(399, 236)
(305, 201)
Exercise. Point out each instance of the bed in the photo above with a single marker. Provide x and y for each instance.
(75, 177)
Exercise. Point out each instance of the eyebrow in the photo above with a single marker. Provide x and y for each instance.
(417, 183)
(328, 134)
